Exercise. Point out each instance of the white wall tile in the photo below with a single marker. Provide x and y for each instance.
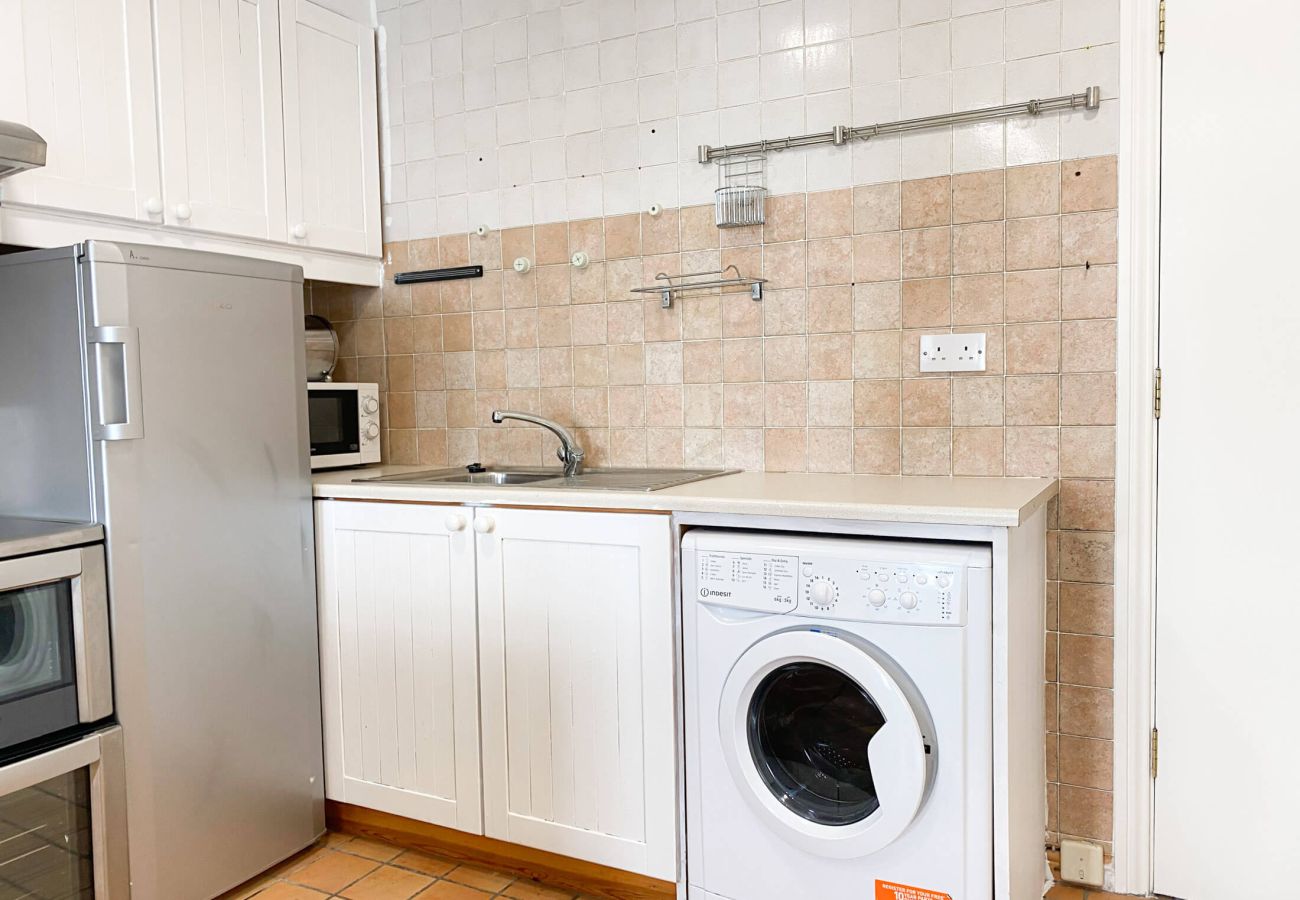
(517, 111)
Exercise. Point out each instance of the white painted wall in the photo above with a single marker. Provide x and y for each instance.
(357, 10)
(510, 112)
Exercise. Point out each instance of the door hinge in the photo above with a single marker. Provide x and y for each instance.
(1160, 36)
(1155, 401)
(1155, 751)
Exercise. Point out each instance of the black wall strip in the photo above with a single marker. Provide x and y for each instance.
(438, 274)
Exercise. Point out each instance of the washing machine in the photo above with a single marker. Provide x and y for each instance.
(837, 717)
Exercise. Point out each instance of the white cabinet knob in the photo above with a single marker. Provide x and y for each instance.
(484, 524)
(454, 522)
(300, 230)
(183, 211)
(153, 206)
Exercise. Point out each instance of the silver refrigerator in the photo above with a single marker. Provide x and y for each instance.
(160, 392)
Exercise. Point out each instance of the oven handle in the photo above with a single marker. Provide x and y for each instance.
(90, 637)
(102, 753)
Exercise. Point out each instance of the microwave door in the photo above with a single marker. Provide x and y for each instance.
(334, 422)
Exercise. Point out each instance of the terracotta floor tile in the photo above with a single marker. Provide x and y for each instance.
(285, 891)
(532, 890)
(449, 890)
(370, 849)
(422, 862)
(332, 871)
(1064, 892)
(387, 883)
(483, 879)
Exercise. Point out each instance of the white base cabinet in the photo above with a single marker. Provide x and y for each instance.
(572, 669)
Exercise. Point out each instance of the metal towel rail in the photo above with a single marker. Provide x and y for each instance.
(675, 284)
(842, 134)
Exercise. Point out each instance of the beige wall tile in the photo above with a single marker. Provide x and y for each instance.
(1087, 608)
(742, 359)
(742, 447)
(1088, 239)
(784, 266)
(876, 354)
(663, 363)
(1033, 190)
(830, 403)
(703, 405)
(1088, 293)
(1032, 400)
(927, 202)
(743, 405)
(1088, 399)
(1088, 452)
(876, 257)
(1034, 295)
(830, 356)
(1034, 243)
(785, 358)
(1086, 762)
(977, 401)
(927, 451)
(830, 308)
(978, 248)
(786, 449)
(977, 299)
(622, 236)
(785, 218)
(877, 207)
(1087, 711)
(830, 450)
(1087, 505)
(663, 404)
(1087, 556)
(785, 312)
(660, 234)
(1085, 813)
(1032, 451)
(927, 303)
(551, 244)
(1033, 349)
(591, 366)
(698, 231)
(876, 451)
(927, 252)
(830, 261)
(786, 404)
(977, 451)
(978, 196)
(830, 213)
(1089, 184)
(877, 402)
(876, 306)
(701, 361)
(702, 446)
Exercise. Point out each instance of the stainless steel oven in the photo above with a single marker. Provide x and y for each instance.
(55, 670)
(63, 822)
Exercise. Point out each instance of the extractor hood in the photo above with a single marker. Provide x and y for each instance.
(20, 148)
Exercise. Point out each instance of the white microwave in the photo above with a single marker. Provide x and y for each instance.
(343, 421)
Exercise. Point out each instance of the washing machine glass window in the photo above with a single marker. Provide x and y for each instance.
(809, 729)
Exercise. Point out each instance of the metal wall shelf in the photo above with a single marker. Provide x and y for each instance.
(842, 134)
(677, 284)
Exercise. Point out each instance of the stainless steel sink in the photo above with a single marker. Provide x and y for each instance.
(591, 479)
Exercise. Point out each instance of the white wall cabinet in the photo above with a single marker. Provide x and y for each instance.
(220, 116)
(399, 667)
(80, 72)
(196, 157)
(331, 128)
(574, 667)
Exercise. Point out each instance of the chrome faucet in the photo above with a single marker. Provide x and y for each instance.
(570, 453)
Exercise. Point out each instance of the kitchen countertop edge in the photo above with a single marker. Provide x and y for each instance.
(924, 499)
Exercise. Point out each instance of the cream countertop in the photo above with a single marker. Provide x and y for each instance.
(1003, 502)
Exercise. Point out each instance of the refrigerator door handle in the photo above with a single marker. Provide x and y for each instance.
(115, 387)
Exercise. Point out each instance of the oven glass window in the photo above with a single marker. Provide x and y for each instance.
(809, 729)
(332, 419)
(38, 693)
(45, 845)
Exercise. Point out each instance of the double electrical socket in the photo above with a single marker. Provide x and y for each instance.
(952, 352)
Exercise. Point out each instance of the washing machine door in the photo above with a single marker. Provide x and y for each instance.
(823, 743)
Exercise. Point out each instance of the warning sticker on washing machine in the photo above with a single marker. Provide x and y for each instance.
(887, 890)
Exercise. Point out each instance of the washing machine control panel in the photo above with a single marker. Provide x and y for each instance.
(830, 587)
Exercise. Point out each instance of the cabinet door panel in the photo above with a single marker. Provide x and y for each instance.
(399, 663)
(80, 72)
(331, 130)
(221, 121)
(576, 613)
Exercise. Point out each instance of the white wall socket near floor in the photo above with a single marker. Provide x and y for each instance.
(1081, 862)
(952, 352)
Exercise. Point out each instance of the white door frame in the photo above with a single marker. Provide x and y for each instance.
(1135, 441)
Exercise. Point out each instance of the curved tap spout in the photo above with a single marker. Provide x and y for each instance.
(570, 452)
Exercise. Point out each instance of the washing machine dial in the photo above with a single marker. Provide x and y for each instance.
(822, 593)
(876, 597)
(907, 600)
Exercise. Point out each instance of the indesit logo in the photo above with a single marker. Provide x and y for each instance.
(706, 592)
(131, 254)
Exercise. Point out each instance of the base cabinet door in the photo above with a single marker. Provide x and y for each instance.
(576, 644)
(399, 665)
(80, 72)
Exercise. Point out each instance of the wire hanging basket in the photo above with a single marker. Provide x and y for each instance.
(742, 191)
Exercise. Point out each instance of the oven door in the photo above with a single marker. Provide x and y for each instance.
(334, 427)
(63, 822)
(54, 645)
